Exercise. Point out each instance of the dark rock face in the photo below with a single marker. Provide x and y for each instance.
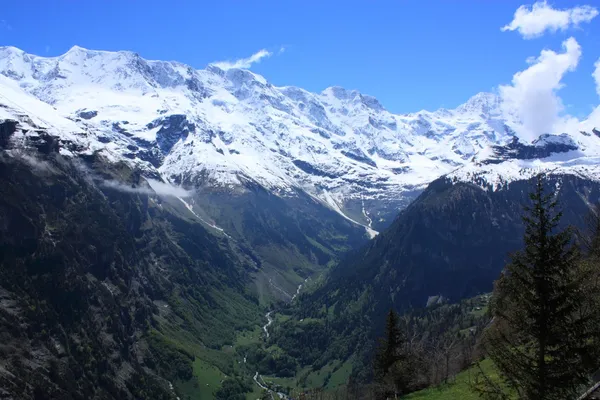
(44, 142)
(116, 126)
(310, 169)
(172, 128)
(7, 128)
(87, 114)
(402, 170)
(541, 148)
(151, 155)
(360, 157)
(47, 143)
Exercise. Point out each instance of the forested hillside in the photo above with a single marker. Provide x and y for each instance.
(450, 244)
(107, 287)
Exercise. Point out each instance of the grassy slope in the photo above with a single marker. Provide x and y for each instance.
(460, 389)
(206, 381)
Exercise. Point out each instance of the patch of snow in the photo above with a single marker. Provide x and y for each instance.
(191, 209)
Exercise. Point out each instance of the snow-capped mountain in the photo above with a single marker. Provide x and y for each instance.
(223, 128)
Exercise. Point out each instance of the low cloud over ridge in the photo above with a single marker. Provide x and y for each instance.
(533, 92)
(156, 187)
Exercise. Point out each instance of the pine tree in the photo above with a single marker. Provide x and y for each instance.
(392, 362)
(541, 332)
(389, 346)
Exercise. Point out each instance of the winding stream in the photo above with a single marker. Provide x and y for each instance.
(269, 322)
(298, 290)
(256, 375)
(267, 334)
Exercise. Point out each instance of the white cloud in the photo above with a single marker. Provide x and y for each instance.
(47, 48)
(532, 23)
(533, 93)
(596, 75)
(36, 164)
(166, 189)
(244, 62)
(156, 187)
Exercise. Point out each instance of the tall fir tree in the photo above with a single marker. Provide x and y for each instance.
(392, 362)
(389, 346)
(542, 332)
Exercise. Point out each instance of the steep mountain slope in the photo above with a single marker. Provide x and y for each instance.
(250, 212)
(452, 241)
(223, 128)
(293, 237)
(107, 290)
(449, 244)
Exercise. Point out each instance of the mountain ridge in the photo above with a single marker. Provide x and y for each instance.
(223, 127)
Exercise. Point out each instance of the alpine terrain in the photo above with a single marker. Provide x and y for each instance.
(152, 213)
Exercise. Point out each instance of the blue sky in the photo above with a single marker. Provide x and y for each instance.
(410, 54)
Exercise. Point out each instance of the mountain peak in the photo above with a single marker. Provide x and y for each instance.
(76, 48)
(77, 51)
(240, 76)
(215, 69)
(11, 49)
(340, 93)
(355, 96)
(483, 103)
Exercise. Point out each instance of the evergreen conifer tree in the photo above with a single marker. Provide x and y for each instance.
(392, 366)
(542, 330)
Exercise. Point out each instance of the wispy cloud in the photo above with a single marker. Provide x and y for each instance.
(533, 92)
(47, 49)
(4, 25)
(166, 189)
(36, 164)
(541, 17)
(248, 61)
(156, 187)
